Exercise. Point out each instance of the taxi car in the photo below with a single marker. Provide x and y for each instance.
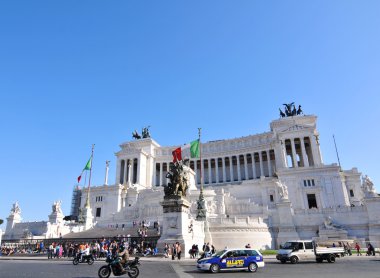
(230, 259)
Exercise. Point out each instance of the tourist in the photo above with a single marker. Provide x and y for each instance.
(174, 251)
(179, 250)
(370, 250)
(166, 250)
(248, 246)
(357, 247)
(50, 251)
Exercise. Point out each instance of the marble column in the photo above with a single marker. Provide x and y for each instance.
(209, 171)
(195, 171)
(253, 166)
(269, 165)
(224, 168)
(261, 164)
(238, 167)
(231, 170)
(203, 171)
(246, 167)
(217, 170)
(130, 170)
(304, 155)
(154, 174)
(294, 154)
(161, 172)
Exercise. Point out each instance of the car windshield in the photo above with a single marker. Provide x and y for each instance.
(290, 245)
(218, 254)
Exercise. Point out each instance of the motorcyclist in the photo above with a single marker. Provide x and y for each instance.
(124, 255)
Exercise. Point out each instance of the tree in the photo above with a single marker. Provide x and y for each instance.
(1, 221)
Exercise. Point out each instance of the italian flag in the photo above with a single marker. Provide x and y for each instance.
(87, 167)
(194, 150)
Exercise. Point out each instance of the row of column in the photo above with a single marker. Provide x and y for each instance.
(128, 171)
(253, 165)
(299, 151)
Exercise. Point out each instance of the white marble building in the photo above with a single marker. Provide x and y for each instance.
(241, 178)
(263, 189)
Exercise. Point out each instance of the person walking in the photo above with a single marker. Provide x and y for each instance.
(357, 247)
(174, 251)
(179, 250)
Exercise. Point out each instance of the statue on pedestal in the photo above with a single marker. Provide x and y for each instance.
(282, 190)
(56, 207)
(178, 177)
(15, 209)
(368, 186)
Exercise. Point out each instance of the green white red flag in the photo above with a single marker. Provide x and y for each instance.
(87, 167)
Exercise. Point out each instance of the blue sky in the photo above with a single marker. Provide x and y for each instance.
(73, 73)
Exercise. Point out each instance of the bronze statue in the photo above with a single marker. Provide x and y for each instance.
(178, 180)
(290, 110)
(136, 135)
(144, 133)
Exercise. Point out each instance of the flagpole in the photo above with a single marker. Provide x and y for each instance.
(89, 179)
(200, 157)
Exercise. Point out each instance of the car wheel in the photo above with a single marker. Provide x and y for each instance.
(252, 267)
(293, 259)
(214, 268)
(331, 258)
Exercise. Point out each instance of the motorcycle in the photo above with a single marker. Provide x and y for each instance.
(114, 267)
(84, 259)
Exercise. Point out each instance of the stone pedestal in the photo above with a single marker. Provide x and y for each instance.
(327, 235)
(373, 208)
(287, 230)
(177, 225)
(88, 217)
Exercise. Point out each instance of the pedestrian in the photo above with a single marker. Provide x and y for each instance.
(357, 247)
(179, 250)
(174, 251)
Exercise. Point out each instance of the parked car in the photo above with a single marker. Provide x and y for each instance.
(249, 259)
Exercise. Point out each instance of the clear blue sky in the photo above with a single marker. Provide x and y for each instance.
(73, 73)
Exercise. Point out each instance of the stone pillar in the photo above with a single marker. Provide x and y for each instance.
(130, 168)
(246, 167)
(195, 171)
(216, 170)
(253, 166)
(294, 154)
(231, 170)
(224, 168)
(106, 175)
(209, 171)
(161, 172)
(316, 151)
(238, 167)
(261, 164)
(304, 156)
(269, 165)
(287, 230)
(125, 171)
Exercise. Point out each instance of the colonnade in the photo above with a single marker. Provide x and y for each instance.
(299, 152)
(128, 171)
(233, 168)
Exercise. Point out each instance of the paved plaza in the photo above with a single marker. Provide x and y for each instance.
(346, 267)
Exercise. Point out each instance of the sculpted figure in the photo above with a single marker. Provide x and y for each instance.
(15, 208)
(178, 180)
(56, 207)
(282, 190)
(368, 184)
(330, 225)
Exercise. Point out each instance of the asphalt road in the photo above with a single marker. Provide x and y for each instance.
(352, 267)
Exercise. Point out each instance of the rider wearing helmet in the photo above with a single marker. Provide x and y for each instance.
(124, 255)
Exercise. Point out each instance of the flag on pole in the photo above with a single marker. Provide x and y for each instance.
(177, 154)
(87, 167)
(194, 149)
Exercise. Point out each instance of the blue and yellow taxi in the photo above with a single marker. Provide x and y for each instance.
(230, 259)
